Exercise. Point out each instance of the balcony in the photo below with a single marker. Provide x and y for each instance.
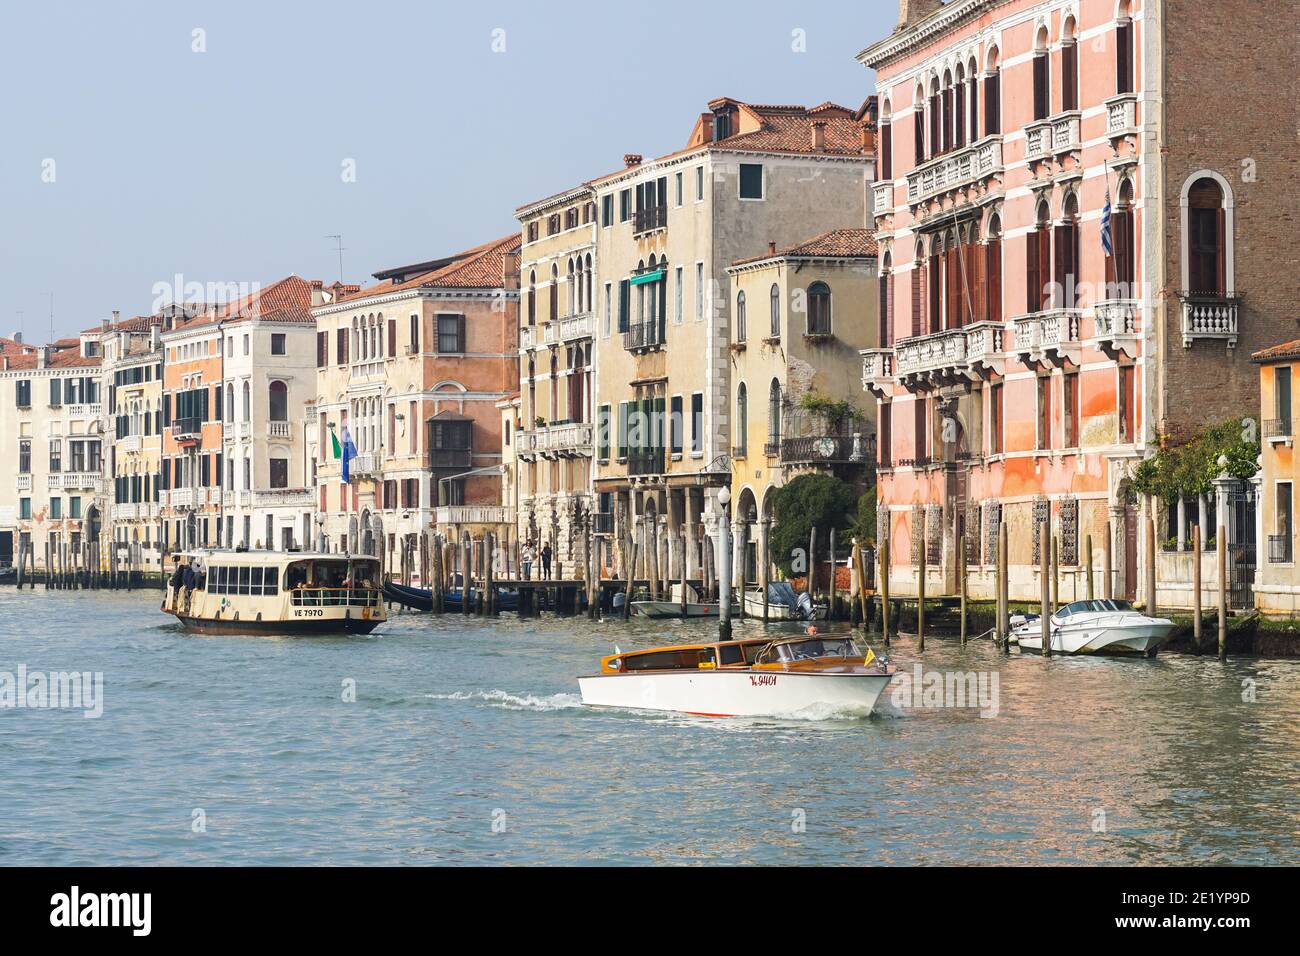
(828, 449)
(1049, 338)
(648, 220)
(955, 356)
(128, 443)
(961, 169)
(739, 452)
(472, 514)
(450, 459)
(1121, 116)
(25, 482)
(284, 498)
(75, 480)
(882, 199)
(579, 326)
(1209, 317)
(181, 497)
(187, 429)
(643, 335)
(279, 430)
(1052, 137)
(645, 461)
(125, 512)
(365, 463)
(84, 411)
(527, 336)
(1278, 429)
(559, 440)
(877, 371)
(602, 523)
(1115, 322)
(1279, 549)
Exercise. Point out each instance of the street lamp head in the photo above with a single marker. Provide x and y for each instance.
(724, 496)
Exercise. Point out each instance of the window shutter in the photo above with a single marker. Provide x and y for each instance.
(1062, 263)
(1033, 282)
(883, 310)
(993, 280)
(918, 129)
(461, 344)
(886, 152)
(918, 271)
(1123, 47)
(933, 293)
(216, 402)
(976, 261)
(1221, 254)
(974, 90)
(1041, 106)
(1044, 266)
(1069, 77)
(56, 391)
(392, 337)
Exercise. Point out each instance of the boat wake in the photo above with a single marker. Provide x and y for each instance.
(507, 701)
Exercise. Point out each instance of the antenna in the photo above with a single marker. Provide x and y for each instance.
(51, 316)
(338, 239)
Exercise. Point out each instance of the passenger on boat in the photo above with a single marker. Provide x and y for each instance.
(187, 581)
(178, 579)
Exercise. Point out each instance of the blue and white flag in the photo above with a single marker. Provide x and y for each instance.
(1105, 225)
(349, 452)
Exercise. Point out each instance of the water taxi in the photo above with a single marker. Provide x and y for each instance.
(754, 677)
(276, 592)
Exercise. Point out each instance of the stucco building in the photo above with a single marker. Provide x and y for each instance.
(667, 230)
(412, 368)
(51, 448)
(802, 316)
(1023, 371)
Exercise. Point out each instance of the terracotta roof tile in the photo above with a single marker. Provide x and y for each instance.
(835, 244)
(482, 267)
(1284, 350)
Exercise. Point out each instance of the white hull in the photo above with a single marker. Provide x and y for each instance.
(673, 609)
(777, 612)
(1139, 639)
(737, 693)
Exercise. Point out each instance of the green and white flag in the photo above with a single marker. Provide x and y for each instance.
(338, 450)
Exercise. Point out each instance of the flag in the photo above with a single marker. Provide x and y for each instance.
(1105, 224)
(349, 452)
(871, 656)
(338, 452)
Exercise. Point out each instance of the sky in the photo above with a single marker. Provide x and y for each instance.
(223, 142)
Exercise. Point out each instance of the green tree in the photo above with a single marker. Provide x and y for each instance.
(812, 500)
(864, 524)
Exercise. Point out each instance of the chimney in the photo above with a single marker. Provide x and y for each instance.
(819, 134)
(911, 12)
(6, 363)
(155, 333)
(631, 159)
(510, 270)
(771, 247)
(18, 337)
(43, 356)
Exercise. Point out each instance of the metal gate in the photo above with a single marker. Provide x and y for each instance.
(1243, 550)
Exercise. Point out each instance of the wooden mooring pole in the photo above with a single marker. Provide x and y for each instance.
(1045, 616)
(884, 589)
(920, 602)
(1221, 546)
(1196, 587)
(961, 584)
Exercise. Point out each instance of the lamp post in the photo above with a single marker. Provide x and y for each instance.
(724, 567)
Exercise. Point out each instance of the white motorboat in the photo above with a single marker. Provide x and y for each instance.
(695, 607)
(750, 678)
(784, 604)
(1094, 627)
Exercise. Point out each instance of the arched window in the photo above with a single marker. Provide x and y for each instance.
(1205, 237)
(742, 421)
(992, 94)
(230, 402)
(740, 316)
(1069, 66)
(819, 309)
(959, 107)
(775, 297)
(972, 96)
(1042, 91)
(572, 291)
(1066, 273)
(936, 117)
(279, 402)
(945, 113)
(773, 416)
(886, 305)
(918, 124)
(993, 270)
(918, 288)
(555, 293)
(532, 297)
(587, 272)
(1038, 262)
(1124, 50)
(248, 402)
(885, 143)
(1120, 262)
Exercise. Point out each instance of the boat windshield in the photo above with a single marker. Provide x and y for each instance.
(810, 649)
(1092, 607)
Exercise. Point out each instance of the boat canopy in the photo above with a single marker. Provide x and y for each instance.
(1093, 607)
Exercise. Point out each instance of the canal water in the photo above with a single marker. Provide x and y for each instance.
(467, 743)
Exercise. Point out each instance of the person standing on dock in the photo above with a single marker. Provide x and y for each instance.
(546, 561)
(526, 560)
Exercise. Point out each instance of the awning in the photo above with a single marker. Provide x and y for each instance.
(645, 277)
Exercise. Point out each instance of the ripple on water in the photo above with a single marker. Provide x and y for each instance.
(467, 742)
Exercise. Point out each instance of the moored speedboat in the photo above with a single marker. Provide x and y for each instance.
(1095, 627)
(757, 677)
(277, 592)
(784, 604)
